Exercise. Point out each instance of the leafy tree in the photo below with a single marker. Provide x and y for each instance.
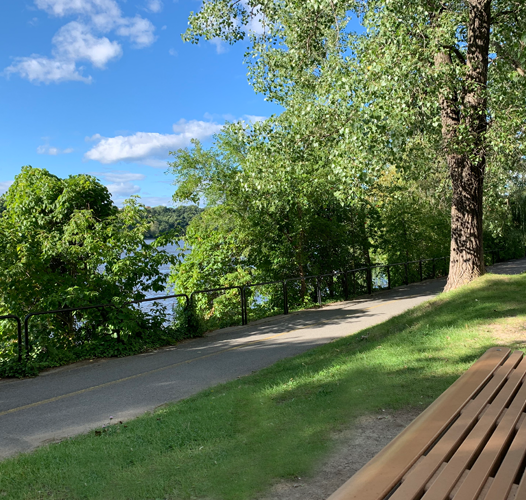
(265, 217)
(429, 86)
(64, 244)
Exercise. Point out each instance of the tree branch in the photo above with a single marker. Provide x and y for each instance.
(457, 52)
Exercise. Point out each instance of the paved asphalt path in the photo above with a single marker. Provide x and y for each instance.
(66, 401)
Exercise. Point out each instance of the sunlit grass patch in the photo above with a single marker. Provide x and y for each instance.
(235, 440)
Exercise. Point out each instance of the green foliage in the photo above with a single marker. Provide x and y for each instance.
(267, 217)
(363, 104)
(275, 210)
(64, 245)
(411, 218)
(168, 219)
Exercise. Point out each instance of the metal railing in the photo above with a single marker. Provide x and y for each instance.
(345, 275)
(85, 308)
(24, 345)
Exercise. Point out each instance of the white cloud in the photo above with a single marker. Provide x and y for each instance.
(46, 149)
(172, 52)
(256, 22)
(123, 189)
(118, 176)
(232, 118)
(4, 186)
(139, 30)
(42, 69)
(255, 118)
(147, 146)
(61, 8)
(121, 182)
(104, 15)
(220, 46)
(81, 40)
(74, 42)
(196, 129)
(154, 6)
(93, 138)
(155, 163)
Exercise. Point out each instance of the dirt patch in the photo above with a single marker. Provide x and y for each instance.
(509, 331)
(355, 447)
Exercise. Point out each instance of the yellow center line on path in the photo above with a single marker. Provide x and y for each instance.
(131, 377)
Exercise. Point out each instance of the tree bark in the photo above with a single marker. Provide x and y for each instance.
(466, 115)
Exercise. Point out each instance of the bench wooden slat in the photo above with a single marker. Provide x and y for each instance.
(521, 490)
(385, 470)
(472, 446)
(503, 482)
(494, 448)
(413, 484)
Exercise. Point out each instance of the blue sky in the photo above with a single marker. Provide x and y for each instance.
(107, 87)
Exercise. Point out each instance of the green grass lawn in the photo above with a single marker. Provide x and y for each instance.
(237, 439)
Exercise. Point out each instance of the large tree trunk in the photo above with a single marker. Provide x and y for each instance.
(466, 115)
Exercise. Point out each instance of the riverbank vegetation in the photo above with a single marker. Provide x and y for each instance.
(235, 440)
(64, 244)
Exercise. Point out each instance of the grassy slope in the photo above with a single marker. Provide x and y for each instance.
(236, 439)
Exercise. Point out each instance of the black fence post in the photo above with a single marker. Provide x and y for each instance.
(285, 298)
(318, 290)
(420, 268)
(406, 273)
(26, 335)
(354, 284)
(369, 281)
(433, 268)
(345, 286)
(388, 278)
(244, 312)
(19, 328)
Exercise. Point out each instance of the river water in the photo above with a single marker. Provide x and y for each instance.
(174, 249)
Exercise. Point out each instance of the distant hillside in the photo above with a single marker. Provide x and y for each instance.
(166, 218)
(163, 218)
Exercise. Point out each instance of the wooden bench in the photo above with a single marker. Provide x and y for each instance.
(469, 444)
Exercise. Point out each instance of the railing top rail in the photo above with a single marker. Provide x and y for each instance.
(97, 306)
(310, 277)
(334, 273)
(264, 283)
(216, 289)
(9, 316)
(358, 269)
